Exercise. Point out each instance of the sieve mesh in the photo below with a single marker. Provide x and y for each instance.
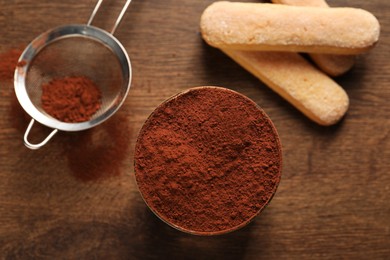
(77, 55)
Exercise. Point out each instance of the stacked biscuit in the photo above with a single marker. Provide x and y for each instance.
(265, 39)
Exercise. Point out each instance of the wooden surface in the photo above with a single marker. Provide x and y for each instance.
(77, 198)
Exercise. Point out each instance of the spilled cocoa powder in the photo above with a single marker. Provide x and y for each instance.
(208, 160)
(8, 63)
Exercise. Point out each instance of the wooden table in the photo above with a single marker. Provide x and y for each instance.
(76, 198)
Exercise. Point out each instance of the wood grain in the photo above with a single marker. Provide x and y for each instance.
(332, 203)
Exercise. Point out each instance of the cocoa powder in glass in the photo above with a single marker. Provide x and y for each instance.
(207, 161)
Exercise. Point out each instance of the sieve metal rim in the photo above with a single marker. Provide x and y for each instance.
(44, 40)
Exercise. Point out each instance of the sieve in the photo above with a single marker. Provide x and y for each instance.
(73, 50)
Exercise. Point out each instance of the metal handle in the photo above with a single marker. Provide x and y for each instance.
(39, 145)
(118, 20)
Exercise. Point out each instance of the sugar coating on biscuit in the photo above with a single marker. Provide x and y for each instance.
(274, 27)
(332, 64)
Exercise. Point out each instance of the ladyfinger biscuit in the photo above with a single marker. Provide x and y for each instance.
(331, 64)
(311, 91)
(273, 27)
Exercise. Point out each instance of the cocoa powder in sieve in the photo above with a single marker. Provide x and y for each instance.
(208, 160)
(71, 99)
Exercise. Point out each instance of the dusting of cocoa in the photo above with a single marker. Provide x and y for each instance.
(208, 160)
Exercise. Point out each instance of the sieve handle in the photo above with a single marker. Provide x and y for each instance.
(39, 145)
(118, 20)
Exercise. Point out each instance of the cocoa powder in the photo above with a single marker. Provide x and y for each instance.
(8, 63)
(71, 99)
(208, 160)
